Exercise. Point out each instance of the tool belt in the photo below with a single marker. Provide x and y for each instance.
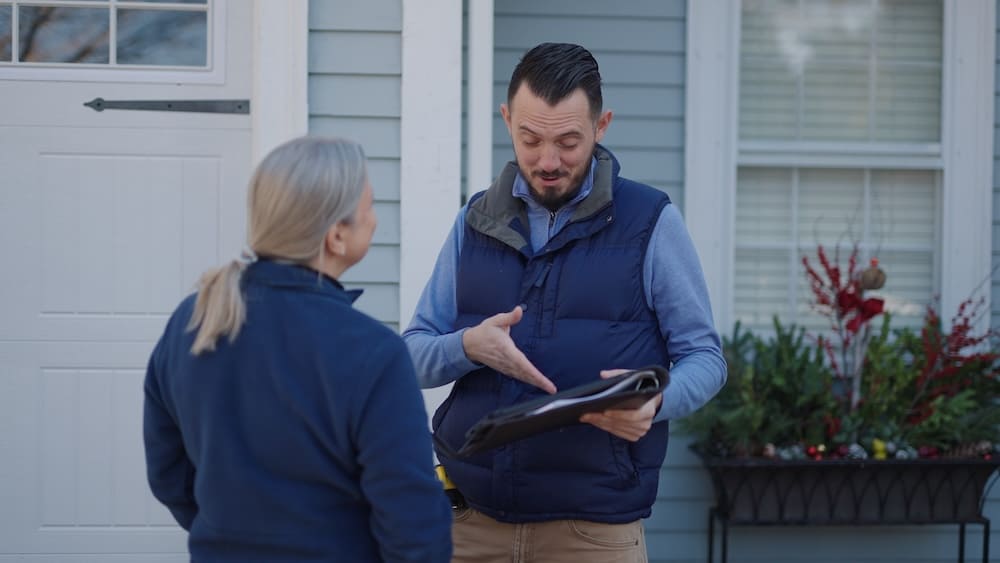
(454, 495)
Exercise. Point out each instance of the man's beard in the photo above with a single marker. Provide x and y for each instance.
(551, 200)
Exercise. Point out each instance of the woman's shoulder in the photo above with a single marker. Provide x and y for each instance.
(337, 319)
(180, 317)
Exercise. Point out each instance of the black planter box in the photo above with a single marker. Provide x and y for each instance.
(826, 492)
(757, 491)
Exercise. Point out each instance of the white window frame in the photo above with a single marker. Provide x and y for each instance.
(213, 73)
(966, 152)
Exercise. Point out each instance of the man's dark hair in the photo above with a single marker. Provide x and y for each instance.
(553, 71)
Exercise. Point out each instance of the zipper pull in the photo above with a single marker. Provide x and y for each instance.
(540, 280)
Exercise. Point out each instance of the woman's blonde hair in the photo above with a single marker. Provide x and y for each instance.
(300, 190)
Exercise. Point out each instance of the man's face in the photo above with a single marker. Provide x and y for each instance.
(553, 144)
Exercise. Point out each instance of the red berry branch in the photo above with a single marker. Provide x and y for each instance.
(842, 300)
(952, 359)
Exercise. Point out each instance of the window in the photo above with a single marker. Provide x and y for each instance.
(105, 34)
(840, 143)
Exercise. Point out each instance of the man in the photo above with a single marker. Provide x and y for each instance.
(562, 272)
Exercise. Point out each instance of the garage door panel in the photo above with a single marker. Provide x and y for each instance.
(80, 419)
(112, 231)
(110, 241)
(91, 450)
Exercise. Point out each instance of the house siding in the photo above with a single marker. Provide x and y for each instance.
(355, 54)
(995, 297)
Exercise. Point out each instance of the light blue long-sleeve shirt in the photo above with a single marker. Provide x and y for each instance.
(672, 279)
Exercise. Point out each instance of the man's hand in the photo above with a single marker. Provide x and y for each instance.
(489, 343)
(626, 424)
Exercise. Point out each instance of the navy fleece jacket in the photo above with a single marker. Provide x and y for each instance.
(305, 439)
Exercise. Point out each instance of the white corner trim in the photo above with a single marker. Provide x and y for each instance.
(479, 113)
(967, 135)
(430, 139)
(279, 104)
(710, 142)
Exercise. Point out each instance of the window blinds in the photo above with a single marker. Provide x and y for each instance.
(858, 70)
(782, 214)
(849, 79)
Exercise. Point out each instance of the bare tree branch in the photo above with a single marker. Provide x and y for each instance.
(89, 47)
(45, 15)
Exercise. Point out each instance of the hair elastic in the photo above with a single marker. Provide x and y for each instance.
(247, 256)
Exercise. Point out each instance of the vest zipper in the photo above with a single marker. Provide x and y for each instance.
(540, 280)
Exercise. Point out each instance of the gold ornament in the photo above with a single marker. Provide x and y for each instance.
(872, 277)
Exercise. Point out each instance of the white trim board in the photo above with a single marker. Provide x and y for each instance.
(430, 139)
(967, 137)
(430, 147)
(479, 116)
(279, 109)
(711, 103)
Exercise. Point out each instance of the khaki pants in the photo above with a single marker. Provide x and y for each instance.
(480, 539)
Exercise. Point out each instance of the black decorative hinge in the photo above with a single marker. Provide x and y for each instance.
(199, 106)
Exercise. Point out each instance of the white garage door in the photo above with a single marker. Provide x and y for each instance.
(106, 220)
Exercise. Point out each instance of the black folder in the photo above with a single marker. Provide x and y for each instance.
(626, 391)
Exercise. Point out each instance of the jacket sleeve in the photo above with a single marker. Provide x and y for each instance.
(168, 469)
(434, 344)
(410, 514)
(676, 291)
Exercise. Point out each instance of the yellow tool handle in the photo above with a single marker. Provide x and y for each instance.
(443, 477)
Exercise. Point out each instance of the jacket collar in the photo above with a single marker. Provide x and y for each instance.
(502, 216)
(274, 273)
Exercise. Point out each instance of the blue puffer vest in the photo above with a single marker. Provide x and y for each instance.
(585, 311)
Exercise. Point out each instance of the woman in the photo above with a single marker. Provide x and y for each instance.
(280, 423)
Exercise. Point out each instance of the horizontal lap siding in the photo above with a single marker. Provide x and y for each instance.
(993, 502)
(995, 299)
(992, 507)
(355, 54)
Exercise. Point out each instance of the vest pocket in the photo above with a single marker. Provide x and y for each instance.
(442, 411)
(627, 470)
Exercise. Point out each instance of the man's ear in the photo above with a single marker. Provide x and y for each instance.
(602, 125)
(505, 112)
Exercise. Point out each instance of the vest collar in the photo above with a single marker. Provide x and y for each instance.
(500, 215)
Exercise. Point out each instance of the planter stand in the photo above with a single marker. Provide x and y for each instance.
(763, 492)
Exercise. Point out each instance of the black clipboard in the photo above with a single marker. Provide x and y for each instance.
(629, 390)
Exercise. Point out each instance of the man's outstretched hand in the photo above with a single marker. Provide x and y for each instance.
(626, 424)
(489, 343)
